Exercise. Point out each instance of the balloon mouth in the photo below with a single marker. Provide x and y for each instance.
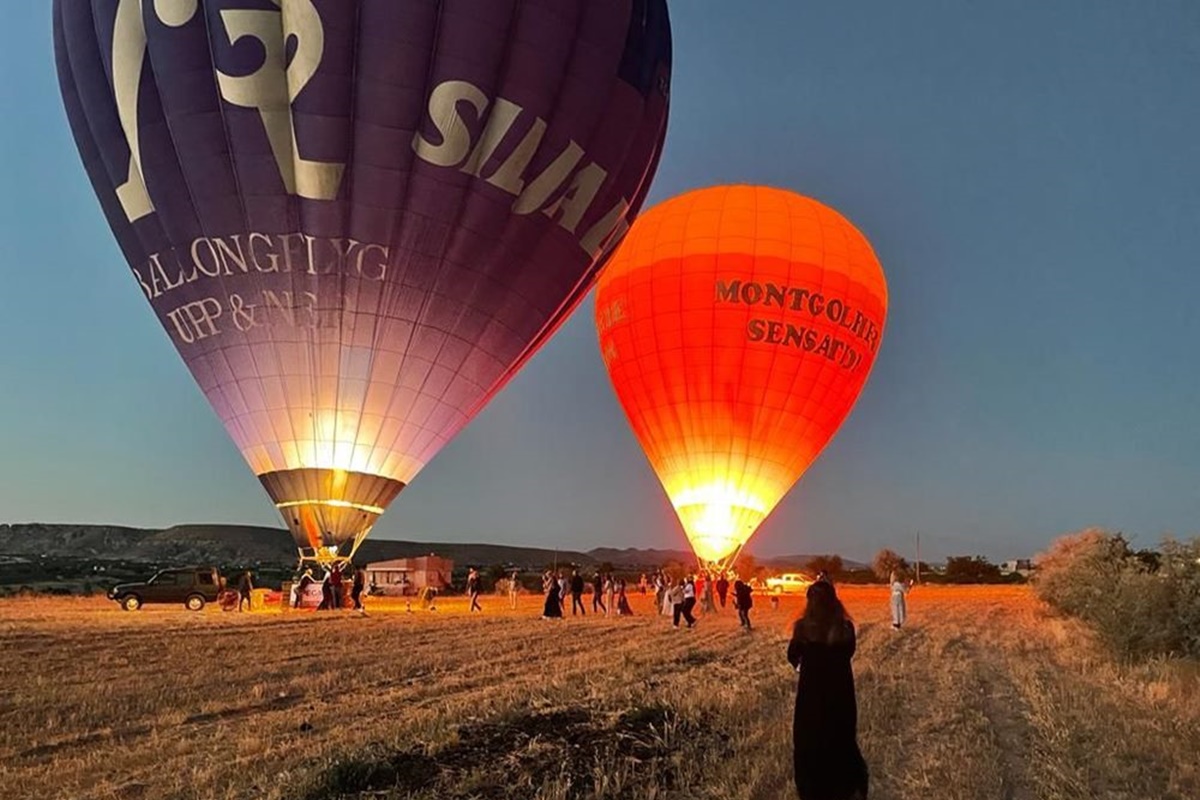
(329, 511)
(718, 523)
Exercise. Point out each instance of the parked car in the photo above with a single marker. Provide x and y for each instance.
(191, 586)
(789, 583)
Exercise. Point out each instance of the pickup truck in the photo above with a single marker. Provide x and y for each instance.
(789, 583)
(191, 586)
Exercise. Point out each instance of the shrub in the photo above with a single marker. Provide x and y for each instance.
(1139, 606)
(972, 569)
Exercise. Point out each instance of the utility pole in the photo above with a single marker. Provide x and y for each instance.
(918, 556)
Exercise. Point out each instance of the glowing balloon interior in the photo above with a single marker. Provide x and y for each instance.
(356, 220)
(738, 325)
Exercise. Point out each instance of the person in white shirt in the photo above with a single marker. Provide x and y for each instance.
(689, 602)
(675, 598)
(899, 606)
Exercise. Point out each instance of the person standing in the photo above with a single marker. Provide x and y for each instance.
(668, 603)
(707, 605)
(514, 588)
(598, 595)
(245, 586)
(689, 600)
(675, 598)
(827, 761)
(326, 592)
(562, 591)
(743, 601)
(899, 602)
(722, 588)
(356, 589)
(335, 586)
(610, 594)
(623, 608)
(642, 583)
(553, 607)
(660, 591)
(298, 590)
(577, 593)
(473, 587)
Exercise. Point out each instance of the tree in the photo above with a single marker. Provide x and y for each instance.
(746, 565)
(829, 564)
(886, 562)
(971, 569)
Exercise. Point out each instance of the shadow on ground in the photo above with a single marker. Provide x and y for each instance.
(570, 754)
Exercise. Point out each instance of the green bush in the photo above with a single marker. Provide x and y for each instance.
(1140, 603)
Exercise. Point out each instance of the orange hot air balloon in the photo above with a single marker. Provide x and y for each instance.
(738, 325)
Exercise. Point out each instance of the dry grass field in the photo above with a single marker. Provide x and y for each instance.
(984, 695)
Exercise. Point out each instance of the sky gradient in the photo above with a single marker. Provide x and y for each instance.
(1028, 175)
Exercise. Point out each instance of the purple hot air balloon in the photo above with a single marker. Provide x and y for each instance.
(356, 219)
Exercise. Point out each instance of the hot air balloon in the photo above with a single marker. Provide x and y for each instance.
(738, 325)
(356, 219)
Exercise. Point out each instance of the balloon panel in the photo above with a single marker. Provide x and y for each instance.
(357, 218)
(738, 326)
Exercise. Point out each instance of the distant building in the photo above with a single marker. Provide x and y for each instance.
(1021, 566)
(405, 576)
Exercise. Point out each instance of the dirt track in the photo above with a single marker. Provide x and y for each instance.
(983, 696)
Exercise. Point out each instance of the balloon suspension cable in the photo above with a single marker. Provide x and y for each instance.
(720, 566)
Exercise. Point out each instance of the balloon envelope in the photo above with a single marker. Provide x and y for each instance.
(738, 325)
(357, 218)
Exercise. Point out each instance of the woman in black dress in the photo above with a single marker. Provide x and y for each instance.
(553, 607)
(829, 765)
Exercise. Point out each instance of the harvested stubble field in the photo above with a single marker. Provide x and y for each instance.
(984, 695)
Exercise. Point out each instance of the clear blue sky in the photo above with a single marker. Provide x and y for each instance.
(1028, 172)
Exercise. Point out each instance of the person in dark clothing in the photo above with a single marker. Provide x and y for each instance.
(474, 585)
(722, 587)
(577, 593)
(335, 586)
(828, 763)
(326, 592)
(305, 581)
(245, 585)
(743, 601)
(598, 595)
(553, 607)
(356, 589)
(689, 601)
(623, 609)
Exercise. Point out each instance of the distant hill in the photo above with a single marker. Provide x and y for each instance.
(246, 544)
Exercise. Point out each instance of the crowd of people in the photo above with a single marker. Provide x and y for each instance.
(674, 598)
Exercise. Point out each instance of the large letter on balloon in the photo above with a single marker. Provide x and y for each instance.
(738, 325)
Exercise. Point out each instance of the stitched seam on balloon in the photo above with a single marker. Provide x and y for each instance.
(461, 417)
(533, 344)
(271, 343)
(391, 287)
(214, 350)
(394, 287)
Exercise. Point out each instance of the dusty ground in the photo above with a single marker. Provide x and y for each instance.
(984, 695)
